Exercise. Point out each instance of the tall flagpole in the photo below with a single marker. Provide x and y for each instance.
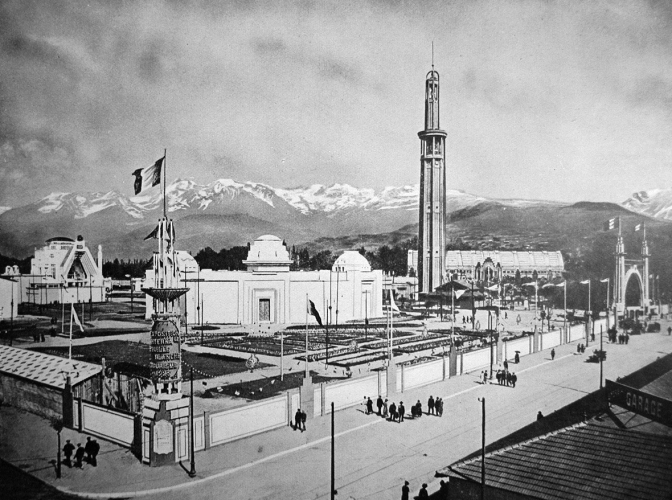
(165, 164)
(70, 344)
(307, 306)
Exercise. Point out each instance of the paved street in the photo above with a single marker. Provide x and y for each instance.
(373, 456)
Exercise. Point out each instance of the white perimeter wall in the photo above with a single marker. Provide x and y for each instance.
(248, 420)
(423, 374)
(106, 423)
(476, 359)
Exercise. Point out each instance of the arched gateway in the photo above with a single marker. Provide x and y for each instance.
(631, 283)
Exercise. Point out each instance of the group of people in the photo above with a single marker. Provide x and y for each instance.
(623, 338)
(391, 411)
(580, 348)
(406, 491)
(505, 377)
(300, 420)
(87, 453)
(395, 413)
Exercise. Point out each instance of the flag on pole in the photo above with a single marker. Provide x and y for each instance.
(638, 227)
(610, 224)
(393, 305)
(148, 177)
(585, 282)
(605, 280)
(310, 309)
(153, 235)
(561, 285)
(73, 315)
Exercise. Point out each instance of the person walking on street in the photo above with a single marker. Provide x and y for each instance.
(303, 420)
(79, 455)
(379, 404)
(297, 419)
(506, 365)
(405, 491)
(402, 410)
(95, 449)
(385, 409)
(438, 404)
(514, 379)
(430, 405)
(508, 379)
(552, 354)
(67, 452)
(88, 450)
(393, 412)
(369, 406)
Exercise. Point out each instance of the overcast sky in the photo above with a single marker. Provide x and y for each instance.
(553, 100)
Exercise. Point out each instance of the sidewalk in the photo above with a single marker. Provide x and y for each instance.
(28, 442)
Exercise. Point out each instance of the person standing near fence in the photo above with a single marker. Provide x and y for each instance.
(430, 406)
(402, 410)
(385, 409)
(379, 404)
(393, 412)
(369, 406)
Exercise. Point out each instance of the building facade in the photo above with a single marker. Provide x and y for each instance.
(432, 207)
(63, 271)
(496, 265)
(269, 293)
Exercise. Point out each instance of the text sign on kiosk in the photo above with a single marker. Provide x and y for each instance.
(652, 407)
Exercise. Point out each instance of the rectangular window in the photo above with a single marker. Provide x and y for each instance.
(264, 310)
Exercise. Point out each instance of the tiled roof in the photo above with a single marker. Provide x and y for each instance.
(44, 368)
(587, 461)
(509, 260)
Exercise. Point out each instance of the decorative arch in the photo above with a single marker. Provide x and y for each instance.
(634, 271)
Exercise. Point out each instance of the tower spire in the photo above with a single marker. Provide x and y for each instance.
(432, 212)
(432, 55)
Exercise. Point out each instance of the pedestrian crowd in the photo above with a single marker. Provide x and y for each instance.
(87, 453)
(396, 413)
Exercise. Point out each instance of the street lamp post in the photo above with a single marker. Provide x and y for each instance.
(588, 315)
(192, 470)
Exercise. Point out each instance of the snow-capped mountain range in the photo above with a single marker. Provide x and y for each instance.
(654, 203)
(226, 212)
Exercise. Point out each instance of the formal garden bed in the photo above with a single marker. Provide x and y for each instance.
(132, 358)
(267, 387)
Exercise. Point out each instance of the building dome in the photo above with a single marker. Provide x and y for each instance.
(267, 237)
(268, 253)
(351, 260)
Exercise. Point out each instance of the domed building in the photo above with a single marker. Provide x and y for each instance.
(351, 260)
(269, 293)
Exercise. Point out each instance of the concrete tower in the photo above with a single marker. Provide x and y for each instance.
(432, 208)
